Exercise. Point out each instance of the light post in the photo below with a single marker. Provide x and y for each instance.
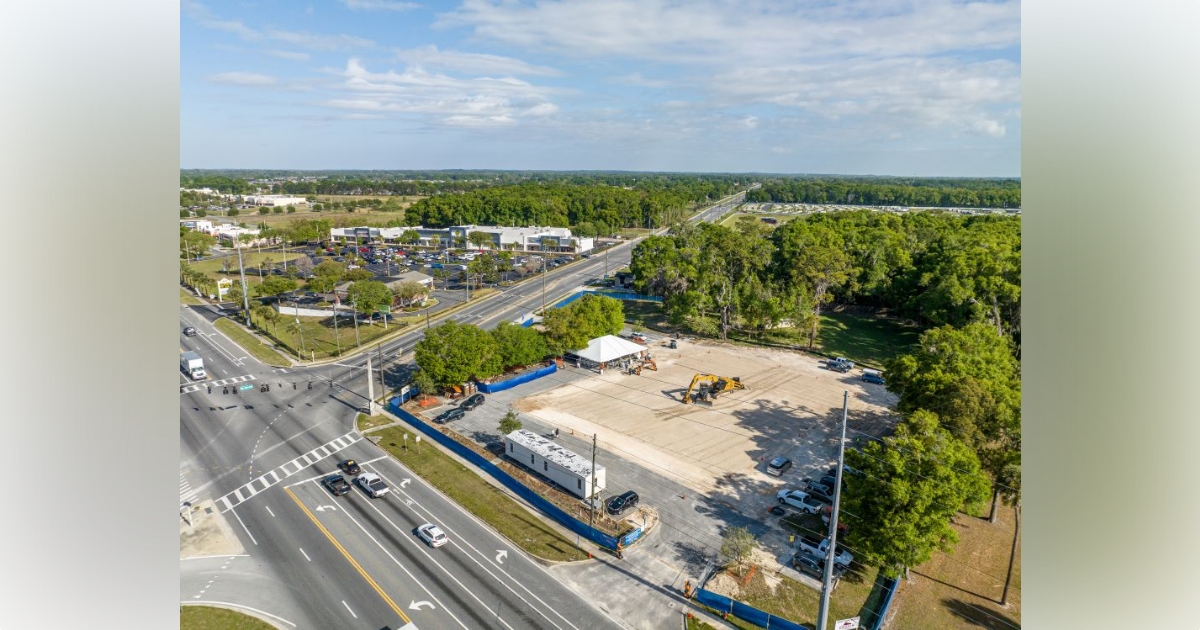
(337, 339)
(242, 273)
(354, 314)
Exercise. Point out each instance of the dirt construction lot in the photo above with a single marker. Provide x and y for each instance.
(791, 406)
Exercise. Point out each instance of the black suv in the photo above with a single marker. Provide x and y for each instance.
(472, 402)
(618, 503)
(450, 414)
(189, 332)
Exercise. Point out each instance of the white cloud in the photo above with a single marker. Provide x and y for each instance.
(319, 42)
(379, 5)
(205, 18)
(473, 102)
(750, 122)
(637, 79)
(290, 55)
(472, 63)
(249, 79)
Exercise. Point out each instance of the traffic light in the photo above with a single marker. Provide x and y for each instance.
(224, 390)
(210, 389)
(310, 384)
(293, 384)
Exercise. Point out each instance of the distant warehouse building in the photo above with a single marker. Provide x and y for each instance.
(569, 470)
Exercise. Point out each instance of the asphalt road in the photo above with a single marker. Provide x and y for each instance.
(318, 561)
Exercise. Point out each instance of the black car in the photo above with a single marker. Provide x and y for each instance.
(472, 402)
(336, 484)
(618, 503)
(189, 332)
(350, 467)
(813, 566)
(450, 414)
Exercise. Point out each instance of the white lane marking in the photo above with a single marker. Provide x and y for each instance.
(348, 608)
(419, 583)
(305, 555)
(245, 528)
(246, 608)
(268, 508)
(456, 541)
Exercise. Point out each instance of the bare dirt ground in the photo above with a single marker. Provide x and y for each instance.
(791, 406)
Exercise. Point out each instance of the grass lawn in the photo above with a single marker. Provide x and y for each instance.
(863, 339)
(188, 298)
(731, 219)
(479, 497)
(694, 623)
(961, 589)
(784, 597)
(250, 258)
(209, 618)
(370, 422)
(255, 346)
(320, 336)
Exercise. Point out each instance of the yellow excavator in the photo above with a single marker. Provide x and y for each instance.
(709, 386)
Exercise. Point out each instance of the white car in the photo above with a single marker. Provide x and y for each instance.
(799, 500)
(432, 534)
(372, 484)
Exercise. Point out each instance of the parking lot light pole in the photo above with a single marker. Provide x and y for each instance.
(823, 610)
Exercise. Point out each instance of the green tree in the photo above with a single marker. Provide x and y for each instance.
(423, 382)
(736, 545)
(357, 275)
(519, 345)
(195, 244)
(812, 256)
(410, 237)
(479, 239)
(509, 423)
(597, 315)
(562, 332)
(905, 492)
(369, 296)
(453, 353)
(410, 291)
(275, 285)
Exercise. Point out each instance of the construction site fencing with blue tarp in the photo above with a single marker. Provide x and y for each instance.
(541, 504)
(724, 605)
(491, 388)
(890, 586)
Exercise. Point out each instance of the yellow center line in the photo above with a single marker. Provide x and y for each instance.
(349, 558)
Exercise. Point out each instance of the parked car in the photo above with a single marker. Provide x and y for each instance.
(349, 466)
(372, 485)
(819, 548)
(799, 500)
(189, 332)
(778, 466)
(450, 414)
(336, 484)
(814, 567)
(839, 364)
(818, 490)
(432, 534)
(872, 376)
(472, 402)
(619, 503)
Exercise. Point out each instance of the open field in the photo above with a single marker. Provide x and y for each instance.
(864, 339)
(790, 406)
(250, 343)
(250, 258)
(731, 219)
(319, 335)
(960, 590)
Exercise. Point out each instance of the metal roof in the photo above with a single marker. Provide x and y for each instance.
(552, 452)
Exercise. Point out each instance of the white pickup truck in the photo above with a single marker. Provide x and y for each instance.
(820, 548)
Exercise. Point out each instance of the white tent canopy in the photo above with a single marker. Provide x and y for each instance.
(607, 349)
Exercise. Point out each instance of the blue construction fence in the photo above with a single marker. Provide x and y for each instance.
(890, 586)
(724, 605)
(546, 507)
(491, 388)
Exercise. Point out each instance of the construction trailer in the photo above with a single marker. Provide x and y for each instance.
(569, 470)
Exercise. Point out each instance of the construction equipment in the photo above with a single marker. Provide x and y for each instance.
(709, 386)
(647, 363)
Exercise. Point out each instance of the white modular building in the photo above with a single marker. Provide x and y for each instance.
(569, 470)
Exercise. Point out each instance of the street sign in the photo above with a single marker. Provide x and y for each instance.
(246, 386)
(385, 309)
(846, 624)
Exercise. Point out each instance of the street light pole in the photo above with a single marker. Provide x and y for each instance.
(823, 610)
(242, 273)
(543, 285)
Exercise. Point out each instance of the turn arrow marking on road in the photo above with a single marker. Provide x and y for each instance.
(501, 555)
(404, 482)
(322, 508)
(418, 605)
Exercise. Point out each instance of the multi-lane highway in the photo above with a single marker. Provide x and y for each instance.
(315, 560)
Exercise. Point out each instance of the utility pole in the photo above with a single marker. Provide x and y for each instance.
(592, 520)
(371, 408)
(242, 272)
(354, 314)
(823, 611)
(382, 369)
(336, 338)
(543, 285)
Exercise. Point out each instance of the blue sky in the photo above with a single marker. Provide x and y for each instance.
(881, 87)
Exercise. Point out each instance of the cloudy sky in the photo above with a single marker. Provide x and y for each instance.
(883, 87)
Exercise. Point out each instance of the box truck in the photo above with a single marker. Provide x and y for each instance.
(192, 365)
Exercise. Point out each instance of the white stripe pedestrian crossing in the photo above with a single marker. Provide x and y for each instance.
(186, 493)
(192, 388)
(272, 477)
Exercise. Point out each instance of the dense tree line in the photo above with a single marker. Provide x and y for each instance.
(940, 193)
(935, 268)
(453, 353)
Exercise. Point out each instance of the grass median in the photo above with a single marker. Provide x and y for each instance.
(250, 343)
(211, 618)
(477, 496)
(188, 298)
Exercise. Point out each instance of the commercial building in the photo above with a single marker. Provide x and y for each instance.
(569, 470)
(272, 200)
(534, 238)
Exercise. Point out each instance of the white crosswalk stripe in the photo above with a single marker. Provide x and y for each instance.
(188, 389)
(272, 477)
(186, 493)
